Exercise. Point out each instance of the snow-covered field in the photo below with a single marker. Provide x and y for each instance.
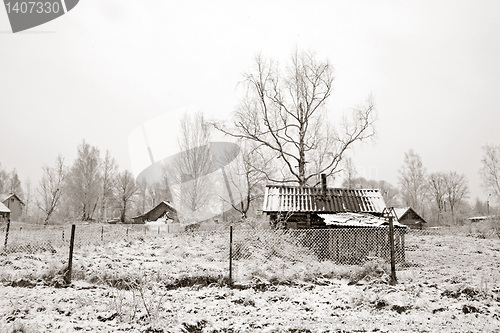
(178, 283)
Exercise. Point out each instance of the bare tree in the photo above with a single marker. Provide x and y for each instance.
(27, 199)
(436, 184)
(456, 190)
(14, 183)
(125, 190)
(109, 172)
(350, 173)
(84, 180)
(388, 191)
(51, 187)
(4, 180)
(284, 112)
(412, 179)
(245, 176)
(193, 164)
(490, 170)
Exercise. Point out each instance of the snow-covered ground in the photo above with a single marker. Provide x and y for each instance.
(178, 283)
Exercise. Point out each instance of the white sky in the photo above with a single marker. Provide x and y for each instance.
(107, 66)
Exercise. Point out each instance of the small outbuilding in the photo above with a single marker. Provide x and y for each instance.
(409, 217)
(13, 203)
(164, 210)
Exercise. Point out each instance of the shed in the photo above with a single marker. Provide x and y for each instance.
(4, 213)
(301, 207)
(13, 203)
(163, 210)
(409, 217)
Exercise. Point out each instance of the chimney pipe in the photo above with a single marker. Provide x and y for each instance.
(323, 185)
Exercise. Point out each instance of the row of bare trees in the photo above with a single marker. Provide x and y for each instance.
(90, 188)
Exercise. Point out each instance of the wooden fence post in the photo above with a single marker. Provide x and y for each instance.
(393, 259)
(67, 278)
(231, 255)
(6, 234)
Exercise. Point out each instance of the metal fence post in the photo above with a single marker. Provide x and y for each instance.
(231, 255)
(102, 234)
(6, 234)
(67, 278)
(393, 259)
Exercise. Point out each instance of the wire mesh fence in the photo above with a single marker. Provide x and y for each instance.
(107, 253)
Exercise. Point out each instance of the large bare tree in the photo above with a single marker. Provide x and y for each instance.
(285, 113)
(490, 170)
(51, 188)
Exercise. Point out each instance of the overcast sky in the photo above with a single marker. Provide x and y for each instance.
(107, 66)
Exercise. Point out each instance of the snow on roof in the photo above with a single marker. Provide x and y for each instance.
(356, 220)
(4, 209)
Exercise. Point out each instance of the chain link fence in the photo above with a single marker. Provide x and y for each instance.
(111, 253)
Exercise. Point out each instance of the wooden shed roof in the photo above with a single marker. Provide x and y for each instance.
(157, 212)
(4, 209)
(401, 212)
(315, 199)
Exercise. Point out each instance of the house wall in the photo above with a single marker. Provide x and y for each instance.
(298, 220)
(15, 207)
(411, 223)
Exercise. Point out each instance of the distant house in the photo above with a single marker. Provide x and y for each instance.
(478, 218)
(309, 207)
(13, 203)
(164, 210)
(409, 217)
(4, 213)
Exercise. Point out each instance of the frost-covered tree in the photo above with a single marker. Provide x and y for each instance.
(125, 187)
(413, 181)
(51, 188)
(84, 180)
(285, 113)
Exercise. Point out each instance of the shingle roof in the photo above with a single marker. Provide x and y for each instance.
(311, 199)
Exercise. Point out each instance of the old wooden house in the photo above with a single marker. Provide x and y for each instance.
(300, 207)
(343, 225)
(409, 217)
(13, 203)
(164, 210)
